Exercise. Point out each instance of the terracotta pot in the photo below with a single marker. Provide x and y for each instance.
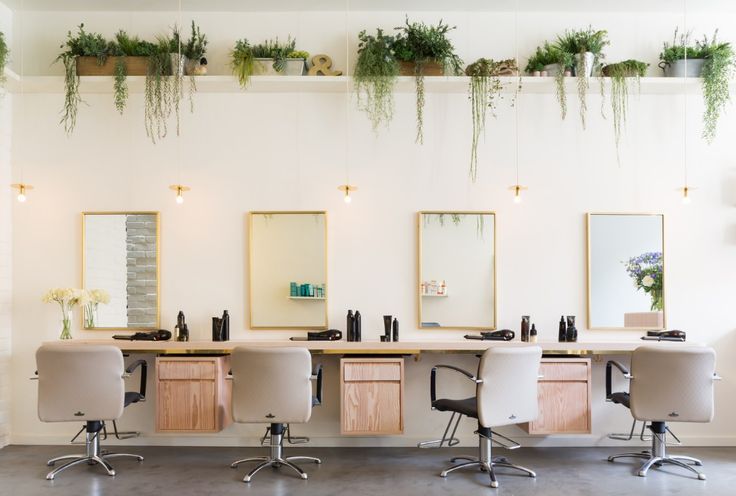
(432, 68)
(135, 66)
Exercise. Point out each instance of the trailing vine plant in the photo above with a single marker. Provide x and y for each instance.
(243, 62)
(4, 52)
(421, 44)
(576, 43)
(375, 75)
(552, 55)
(621, 75)
(484, 92)
(162, 92)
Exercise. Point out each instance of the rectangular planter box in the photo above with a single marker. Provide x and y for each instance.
(87, 66)
(429, 69)
(294, 67)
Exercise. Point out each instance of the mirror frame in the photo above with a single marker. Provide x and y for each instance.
(250, 269)
(158, 269)
(418, 290)
(588, 272)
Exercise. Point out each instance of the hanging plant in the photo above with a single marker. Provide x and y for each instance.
(376, 71)
(484, 92)
(622, 74)
(586, 48)
(193, 52)
(121, 48)
(4, 52)
(163, 91)
(425, 49)
(717, 71)
(242, 62)
(551, 57)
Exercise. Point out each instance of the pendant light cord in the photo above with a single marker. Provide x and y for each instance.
(22, 103)
(684, 94)
(516, 90)
(179, 76)
(347, 93)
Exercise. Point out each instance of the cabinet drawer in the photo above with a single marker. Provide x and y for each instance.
(371, 371)
(563, 371)
(372, 408)
(187, 370)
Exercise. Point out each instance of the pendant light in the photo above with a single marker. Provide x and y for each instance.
(21, 187)
(686, 189)
(518, 187)
(347, 188)
(179, 188)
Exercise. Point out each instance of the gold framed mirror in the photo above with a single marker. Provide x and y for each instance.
(626, 271)
(288, 270)
(121, 270)
(456, 286)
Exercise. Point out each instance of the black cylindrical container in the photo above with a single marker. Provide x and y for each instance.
(396, 329)
(387, 327)
(525, 327)
(216, 329)
(572, 332)
(350, 329)
(357, 326)
(562, 333)
(225, 333)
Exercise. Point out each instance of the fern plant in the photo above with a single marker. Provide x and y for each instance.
(622, 74)
(376, 72)
(421, 44)
(484, 90)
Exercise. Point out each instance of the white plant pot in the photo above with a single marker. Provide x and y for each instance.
(584, 62)
(552, 70)
(678, 68)
(264, 67)
(294, 67)
(181, 65)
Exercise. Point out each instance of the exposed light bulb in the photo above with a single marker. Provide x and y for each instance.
(517, 189)
(347, 188)
(347, 198)
(21, 197)
(180, 189)
(179, 199)
(686, 200)
(22, 189)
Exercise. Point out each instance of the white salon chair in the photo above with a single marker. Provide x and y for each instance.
(669, 384)
(506, 394)
(82, 383)
(273, 386)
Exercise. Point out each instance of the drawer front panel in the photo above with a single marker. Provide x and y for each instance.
(186, 406)
(371, 371)
(563, 371)
(186, 370)
(563, 408)
(371, 408)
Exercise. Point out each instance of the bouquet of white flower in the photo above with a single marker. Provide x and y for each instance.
(67, 298)
(96, 296)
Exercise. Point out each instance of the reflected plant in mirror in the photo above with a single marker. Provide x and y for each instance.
(626, 271)
(120, 260)
(457, 287)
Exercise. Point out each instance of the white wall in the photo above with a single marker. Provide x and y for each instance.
(250, 151)
(107, 266)
(6, 103)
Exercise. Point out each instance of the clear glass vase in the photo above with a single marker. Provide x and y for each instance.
(90, 316)
(66, 325)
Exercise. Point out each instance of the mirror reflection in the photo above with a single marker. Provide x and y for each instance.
(457, 270)
(288, 270)
(626, 271)
(120, 270)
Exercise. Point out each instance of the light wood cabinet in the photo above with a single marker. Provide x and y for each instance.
(192, 394)
(564, 397)
(372, 396)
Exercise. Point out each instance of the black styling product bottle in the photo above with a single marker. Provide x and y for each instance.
(357, 326)
(225, 332)
(533, 334)
(387, 327)
(396, 330)
(525, 328)
(562, 334)
(350, 330)
(572, 332)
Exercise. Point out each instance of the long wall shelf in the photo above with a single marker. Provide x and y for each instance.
(337, 84)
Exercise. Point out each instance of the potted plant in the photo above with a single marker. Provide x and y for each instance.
(425, 51)
(622, 74)
(271, 58)
(193, 50)
(296, 62)
(549, 60)
(485, 90)
(586, 48)
(4, 52)
(712, 60)
(375, 74)
(130, 58)
(243, 62)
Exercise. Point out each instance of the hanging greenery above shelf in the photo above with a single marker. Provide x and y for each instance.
(622, 74)
(375, 75)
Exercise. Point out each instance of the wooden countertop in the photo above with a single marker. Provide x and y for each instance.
(372, 347)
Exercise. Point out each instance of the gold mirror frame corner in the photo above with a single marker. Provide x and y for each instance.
(157, 214)
(589, 306)
(249, 299)
(418, 283)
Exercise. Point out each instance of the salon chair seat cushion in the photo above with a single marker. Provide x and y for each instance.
(467, 407)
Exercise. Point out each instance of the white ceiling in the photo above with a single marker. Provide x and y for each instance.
(377, 5)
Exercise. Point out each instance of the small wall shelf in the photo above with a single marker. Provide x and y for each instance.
(306, 297)
(435, 295)
(337, 84)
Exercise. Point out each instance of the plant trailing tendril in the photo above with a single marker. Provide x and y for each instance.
(622, 75)
(552, 55)
(485, 88)
(376, 71)
(4, 51)
(120, 85)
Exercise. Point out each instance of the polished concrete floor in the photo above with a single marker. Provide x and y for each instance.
(193, 471)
